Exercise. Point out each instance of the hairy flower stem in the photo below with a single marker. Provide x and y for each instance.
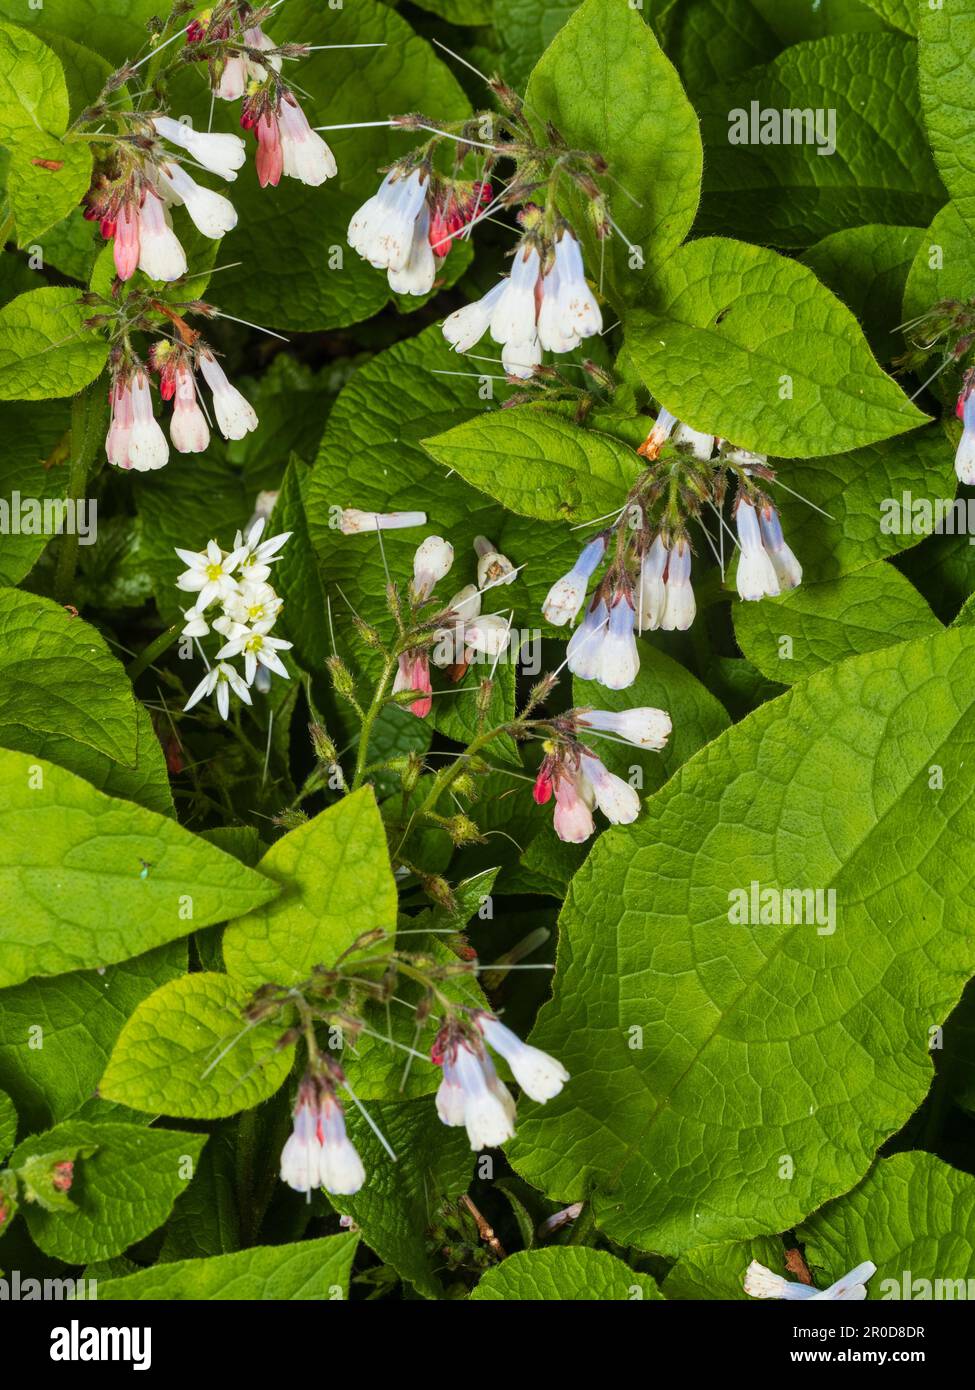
(154, 649)
(87, 423)
(369, 719)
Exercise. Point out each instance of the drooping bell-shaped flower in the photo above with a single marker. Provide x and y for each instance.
(568, 594)
(540, 1076)
(787, 568)
(679, 604)
(125, 248)
(147, 443)
(493, 568)
(965, 453)
(756, 575)
(431, 563)
(584, 651)
(306, 157)
(420, 270)
(188, 428)
(161, 255)
(211, 213)
(651, 595)
(219, 153)
(236, 417)
(572, 819)
(643, 726)
(619, 658)
(341, 1169)
(382, 229)
(413, 673)
(618, 801)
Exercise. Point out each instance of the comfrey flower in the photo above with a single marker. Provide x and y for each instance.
(767, 565)
(161, 255)
(643, 726)
(603, 648)
(471, 1092)
(134, 438)
(188, 430)
(679, 605)
(567, 595)
(760, 1282)
(545, 303)
(384, 230)
(286, 143)
(211, 213)
(218, 153)
(236, 417)
(318, 1152)
(352, 521)
(463, 608)
(965, 453)
(493, 568)
(431, 563)
(413, 673)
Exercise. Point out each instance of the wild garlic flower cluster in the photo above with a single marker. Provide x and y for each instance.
(408, 227)
(580, 781)
(237, 582)
(141, 175)
(135, 438)
(647, 583)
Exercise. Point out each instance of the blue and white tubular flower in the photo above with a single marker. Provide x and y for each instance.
(767, 565)
(567, 595)
(353, 521)
(965, 453)
(540, 1076)
(643, 726)
(760, 1282)
(532, 309)
(318, 1152)
(391, 230)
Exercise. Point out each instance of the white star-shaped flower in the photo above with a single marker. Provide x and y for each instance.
(210, 573)
(222, 679)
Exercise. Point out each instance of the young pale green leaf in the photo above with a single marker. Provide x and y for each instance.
(123, 1189)
(539, 464)
(913, 1216)
(946, 49)
(337, 884)
(8, 1125)
(316, 1270)
(33, 93)
(90, 880)
(186, 1051)
(47, 180)
(867, 268)
(568, 1273)
(400, 1201)
(823, 789)
(791, 637)
(146, 781)
(749, 345)
(606, 85)
(774, 163)
(59, 683)
(45, 350)
(59, 1033)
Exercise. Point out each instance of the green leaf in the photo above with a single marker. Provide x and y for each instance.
(337, 883)
(8, 1124)
(121, 1192)
(913, 1217)
(824, 788)
(539, 464)
(33, 93)
(45, 350)
(943, 268)
(607, 86)
(712, 41)
(568, 1273)
(791, 637)
(296, 576)
(47, 180)
(205, 1220)
(91, 880)
(900, 14)
(33, 465)
(868, 162)
(314, 1270)
(185, 1051)
(59, 683)
(749, 345)
(525, 28)
(321, 282)
(400, 1200)
(946, 49)
(145, 782)
(114, 28)
(867, 267)
(59, 1033)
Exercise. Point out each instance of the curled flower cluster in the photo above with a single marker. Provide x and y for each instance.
(407, 227)
(545, 304)
(471, 1092)
(318, 1152)
(580, 781)
(135, 438)
(236, 580)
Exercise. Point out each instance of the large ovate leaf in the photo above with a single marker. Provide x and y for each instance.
(799, 175)
(315, 1270)
(336, 884)
(946, 47)
(58, 1033)
(89, 880)
(744, 343)
(572, 1274)
(912, 1216)
(539, 464)
(806, 1040)
(867, 268)
(811, 627)
(60, 684)
(606, 85)
(124, 1186)
(45, 349)
(186, 1051)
